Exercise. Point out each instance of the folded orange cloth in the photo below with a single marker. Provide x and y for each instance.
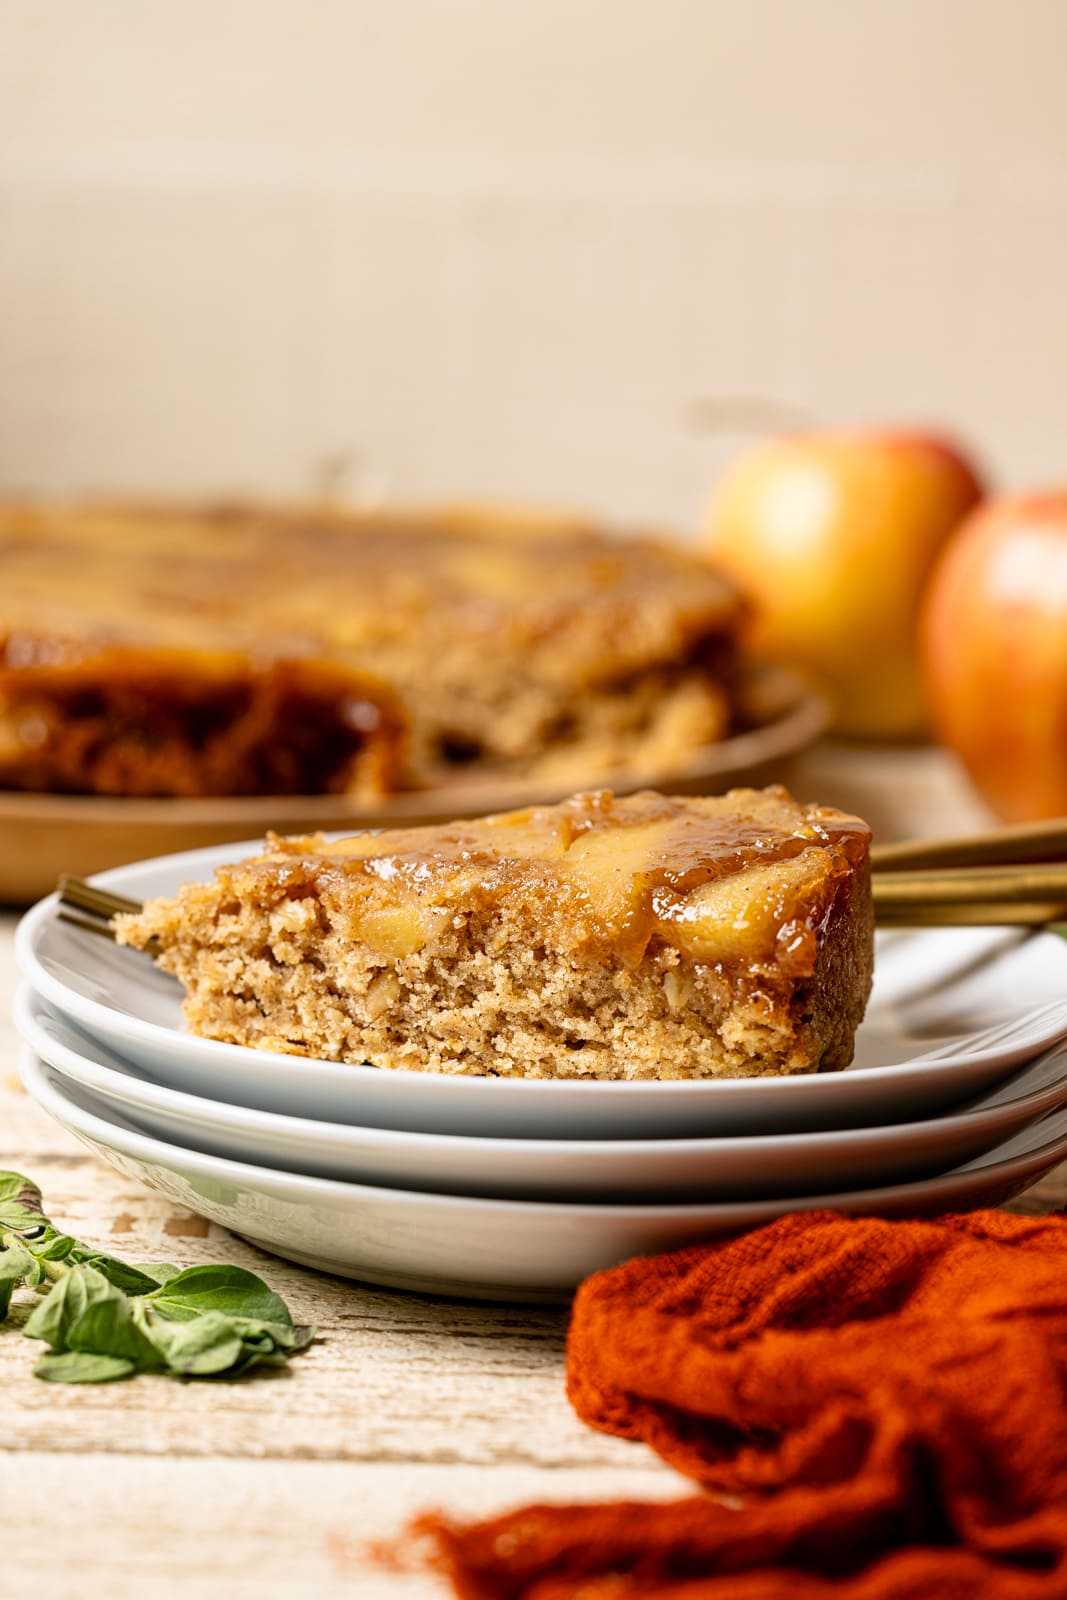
(877, 1409)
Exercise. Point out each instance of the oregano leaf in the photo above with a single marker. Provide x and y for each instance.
(53, 1247)
(79, 1366)
(54, 1316)
(106, 1319)
(133, 1280)
(204, 1347)
(107, 1327)
(13, 1186)
(21, 1206)
(279, 1335)
(160, 1272)
(232, 1290)
(22, 1218)
(16, 1264)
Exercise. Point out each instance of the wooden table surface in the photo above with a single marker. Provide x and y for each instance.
(272, 1486)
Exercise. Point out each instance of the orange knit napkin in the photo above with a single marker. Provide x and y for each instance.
(878, 1411)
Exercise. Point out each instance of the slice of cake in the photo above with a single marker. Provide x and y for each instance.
(644, 937)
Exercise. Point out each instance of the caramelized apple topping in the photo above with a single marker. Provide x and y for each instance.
(735, 880)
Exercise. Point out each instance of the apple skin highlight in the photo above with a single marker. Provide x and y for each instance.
(833, 536)
(994, 646)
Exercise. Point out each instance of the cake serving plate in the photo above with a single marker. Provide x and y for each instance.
(511, 1250)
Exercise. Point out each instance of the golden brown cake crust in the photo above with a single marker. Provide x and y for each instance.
(637, 937)
(488, 643)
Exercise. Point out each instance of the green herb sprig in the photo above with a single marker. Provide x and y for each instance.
(104, 1319)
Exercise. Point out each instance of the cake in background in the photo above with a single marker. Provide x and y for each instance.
(239, 650)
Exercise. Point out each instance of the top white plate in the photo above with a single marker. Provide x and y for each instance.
(932, 989)
(623, 1170)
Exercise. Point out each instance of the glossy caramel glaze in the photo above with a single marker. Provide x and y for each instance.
(740, 880)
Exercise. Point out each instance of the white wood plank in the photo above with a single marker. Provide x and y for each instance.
(255, 1530)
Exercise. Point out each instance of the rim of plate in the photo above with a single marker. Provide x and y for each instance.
(35, 1035)
(144, 1147)
(96, 1014)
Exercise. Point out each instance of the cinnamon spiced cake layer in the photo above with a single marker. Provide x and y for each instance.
(246, 650)
(644, 937)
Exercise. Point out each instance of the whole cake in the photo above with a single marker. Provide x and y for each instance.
(644, 937)
(153, 650)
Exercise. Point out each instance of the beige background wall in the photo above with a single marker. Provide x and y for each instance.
(510, 246)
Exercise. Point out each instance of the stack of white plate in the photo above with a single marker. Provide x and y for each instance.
(517, 1189)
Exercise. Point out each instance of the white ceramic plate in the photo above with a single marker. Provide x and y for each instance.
(486, 1249)
(931, 988)
(653, 1170)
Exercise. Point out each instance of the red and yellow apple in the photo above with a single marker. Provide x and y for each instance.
(832, 536)
(994, 638)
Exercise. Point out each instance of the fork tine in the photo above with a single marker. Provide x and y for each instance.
(74, 891)
(87, 924)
